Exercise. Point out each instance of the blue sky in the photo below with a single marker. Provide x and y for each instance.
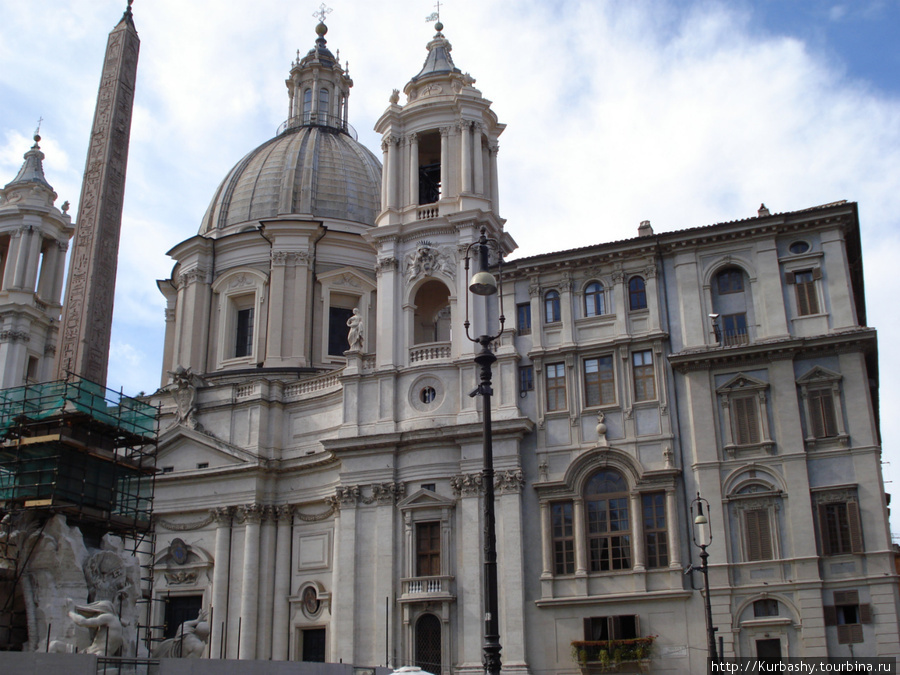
(680, 112)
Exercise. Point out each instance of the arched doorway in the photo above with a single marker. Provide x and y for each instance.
(428, 643)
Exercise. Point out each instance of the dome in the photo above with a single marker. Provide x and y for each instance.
(316, 171)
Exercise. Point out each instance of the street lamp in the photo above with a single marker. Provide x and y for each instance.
(702, 535)
(484, 285)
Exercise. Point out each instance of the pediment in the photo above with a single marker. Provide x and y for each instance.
(346, 277)
(184, 448)
(817, 375)
(742, 382)
(422, 498)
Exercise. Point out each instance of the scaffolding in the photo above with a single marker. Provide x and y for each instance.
(75, 448)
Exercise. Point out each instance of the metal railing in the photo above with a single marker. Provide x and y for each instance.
(311, 119)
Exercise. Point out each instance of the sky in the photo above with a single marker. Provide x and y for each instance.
(681, 112)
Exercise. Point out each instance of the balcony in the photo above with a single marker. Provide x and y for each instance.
(420, 589)
(431, 351)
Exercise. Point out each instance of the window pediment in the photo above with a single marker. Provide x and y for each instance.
(742, 382)
(819, 375)
(425, 499)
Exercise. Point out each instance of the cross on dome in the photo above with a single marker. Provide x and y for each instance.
(322, 13)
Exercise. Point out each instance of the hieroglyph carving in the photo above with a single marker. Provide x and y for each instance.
(88, 306)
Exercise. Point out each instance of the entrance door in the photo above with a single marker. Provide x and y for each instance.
(313, 645)
(180, 608)
(769, 648)
(428, 643)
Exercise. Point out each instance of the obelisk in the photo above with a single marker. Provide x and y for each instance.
(83, 348)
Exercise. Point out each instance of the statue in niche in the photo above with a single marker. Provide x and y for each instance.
(101, 619)
(355, 337)
(189, 641)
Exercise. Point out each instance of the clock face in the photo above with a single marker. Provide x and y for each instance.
(310, 600)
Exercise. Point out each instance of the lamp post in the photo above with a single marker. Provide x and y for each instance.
(702, 535)
(485, 285)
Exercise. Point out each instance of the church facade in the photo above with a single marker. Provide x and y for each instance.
(320, 454)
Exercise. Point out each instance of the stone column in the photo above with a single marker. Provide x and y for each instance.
(672, 530)
(413, 198)
(12, 254)
(581, 562)
(445, 163)
(465, 144)
(567, 336)
(495, 187)
(47, 274)
(652, 290)
(547, 541)
(281, 605)
(250, 514)
(620, 302)
(343, 618)
(274, 347)
(510, 565)
(385, 144)
(637, 548)
(267, 573)
(23, 258)
(470, 611)
(478, 157)
(392, 169)
(222, 516)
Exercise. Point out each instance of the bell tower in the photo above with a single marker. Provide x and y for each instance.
(439, 187)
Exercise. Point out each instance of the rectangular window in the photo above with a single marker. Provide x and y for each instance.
(621, 627)
(655, 533)
(243, 343)
(822, 421)
(805, 284)
(31, 369)
(758, 535)
(523, 318)
(644, 377)
(599, 381)
(556, 386)
(428, 549)
(765, 607)
(526, 378)
(848, 615)
(563, 538)
(745, 412)
(839, 528)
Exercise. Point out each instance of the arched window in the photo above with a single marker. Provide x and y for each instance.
(637, 294)
(593, 299)
(323, 106)
(730, 304)
(608, 524)
(428, 643)
(551, 307)
(432, 313)
(307, 104)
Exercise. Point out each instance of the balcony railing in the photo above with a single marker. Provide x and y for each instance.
(318, 120)
(422, 587)
(734, 338)
(431, 351)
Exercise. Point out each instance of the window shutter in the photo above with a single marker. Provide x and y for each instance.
(856, 542)
(856, 632)
(789, 278)
(865, 613)
(823, 531)
(817, 273)
(830, 615)
(751, 519)
(844, 636)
